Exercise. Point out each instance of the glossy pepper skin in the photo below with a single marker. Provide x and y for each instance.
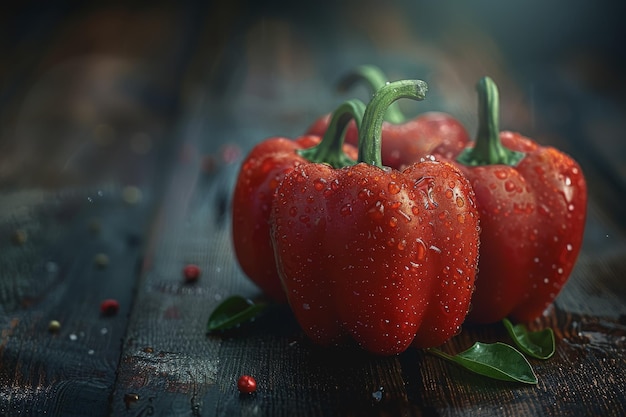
(260, 173)
(403, 141)
(532, 201)
(384, 257)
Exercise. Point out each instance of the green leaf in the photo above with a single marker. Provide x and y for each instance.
(538, 344)
(494, 360)
(233, 311)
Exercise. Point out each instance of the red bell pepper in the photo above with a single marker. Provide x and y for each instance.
(532, 201)
(259, 175)
(403, 141)
(381, 256)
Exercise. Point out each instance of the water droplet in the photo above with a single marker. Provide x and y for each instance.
(500, 174)
(426, 185)
(378, 394)
(420, 249)
(435, 249)
(544, 210)
(393, 187)
(393, 222)
(509, 186)
(405, 216)
(346, 209)
(365, 193)
(319, 184)
(306, 306)
(377, 211)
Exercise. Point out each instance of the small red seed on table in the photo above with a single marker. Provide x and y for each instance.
(246, 384)
(109, 307)
(191, 273)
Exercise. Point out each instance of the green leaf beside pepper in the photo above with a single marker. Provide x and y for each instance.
(494, 360)
(233, 311)
(538, 344)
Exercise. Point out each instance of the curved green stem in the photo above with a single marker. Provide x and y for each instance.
(375, 78)
(330, 149)
(488, 149)
(371, 127)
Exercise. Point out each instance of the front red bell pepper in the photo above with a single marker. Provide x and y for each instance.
(381, 256)
(403, 141)
(532, 201)
(259, 175)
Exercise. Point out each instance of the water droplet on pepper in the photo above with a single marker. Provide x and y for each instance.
(365, 193)
(346, 209)
(393, 187)
(319, 184)
(500, 174)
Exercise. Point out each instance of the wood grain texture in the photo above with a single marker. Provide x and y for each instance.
(70, 371)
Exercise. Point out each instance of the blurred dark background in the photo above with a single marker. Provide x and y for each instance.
(89, 91)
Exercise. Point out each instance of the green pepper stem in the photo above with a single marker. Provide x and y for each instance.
(488, 149)
(330, 149)
(374, 78)
(371, 127)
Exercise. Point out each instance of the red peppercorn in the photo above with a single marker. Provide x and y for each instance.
(109, 307)
(246, 384)
(191, 273)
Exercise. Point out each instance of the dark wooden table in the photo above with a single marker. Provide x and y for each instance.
(123, 131)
